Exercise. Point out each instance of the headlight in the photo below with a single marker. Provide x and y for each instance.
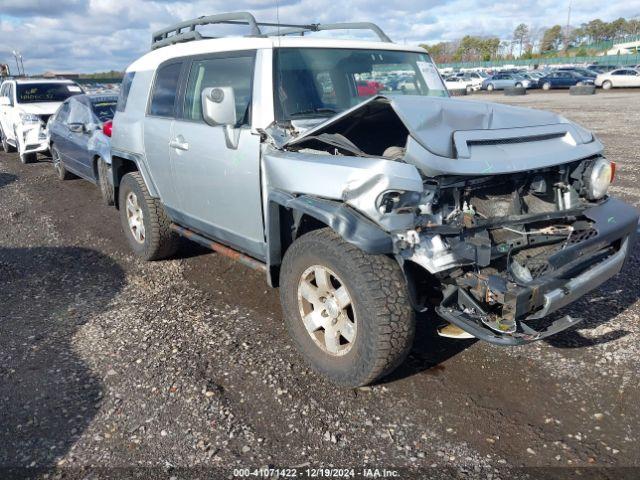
(29, 118)
(598, 177)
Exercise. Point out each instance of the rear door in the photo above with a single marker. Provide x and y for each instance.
(219, 184)
(161, 112)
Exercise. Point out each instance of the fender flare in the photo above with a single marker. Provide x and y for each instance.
(119, 157)
(344, 220)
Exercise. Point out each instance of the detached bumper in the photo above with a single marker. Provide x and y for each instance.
(578, 269)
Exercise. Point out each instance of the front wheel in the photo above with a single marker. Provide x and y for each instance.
(28, 158)
(144, 220)
(518, 84)
(5, 144)
(347, 312)
(607, 85)
(58, 165)
(490, 87)
(546, 86)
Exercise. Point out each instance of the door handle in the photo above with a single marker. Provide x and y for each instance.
(178, 145)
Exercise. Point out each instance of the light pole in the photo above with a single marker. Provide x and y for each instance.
(15, 56)
(22, 64)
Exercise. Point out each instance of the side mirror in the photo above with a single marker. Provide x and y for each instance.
(5, 102)
(76, 127)
(219, 106)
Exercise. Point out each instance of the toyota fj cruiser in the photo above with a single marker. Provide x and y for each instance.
(363, 210)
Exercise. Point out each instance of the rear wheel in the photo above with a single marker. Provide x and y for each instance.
(144, 220)
(58, 165)
(106, 189)
(347, 312)
(607, 85)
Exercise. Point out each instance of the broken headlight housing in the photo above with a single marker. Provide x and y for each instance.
(397, 201)
(597, 178)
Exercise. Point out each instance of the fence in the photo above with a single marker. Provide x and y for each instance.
(602, 60)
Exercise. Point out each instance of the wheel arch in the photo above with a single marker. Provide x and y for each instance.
(289, 217)
(123, 163)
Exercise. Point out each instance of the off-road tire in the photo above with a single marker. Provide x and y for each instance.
(5, 145)
(160, 241)
(26, 158)
(58, 165)
(103, 182)
(380, 300)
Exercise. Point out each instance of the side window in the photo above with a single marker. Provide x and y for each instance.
(165, 89)
(63, 113)
(231, 71)
(125, 87)
(78, 113)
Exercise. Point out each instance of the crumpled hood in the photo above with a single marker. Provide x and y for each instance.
(44, 108)
(433, 121)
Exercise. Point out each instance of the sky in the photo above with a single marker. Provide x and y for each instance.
(100, 35)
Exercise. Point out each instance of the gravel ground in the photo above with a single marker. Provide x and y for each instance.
(110, 366)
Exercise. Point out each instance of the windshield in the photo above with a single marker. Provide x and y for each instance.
(104, 110)
(312, 82)
(46, 92)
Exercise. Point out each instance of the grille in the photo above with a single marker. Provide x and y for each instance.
(506, 141)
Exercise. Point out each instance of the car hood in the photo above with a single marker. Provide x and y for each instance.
(43, 108)
(433, 122)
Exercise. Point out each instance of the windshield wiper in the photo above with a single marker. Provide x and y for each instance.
(313, 111)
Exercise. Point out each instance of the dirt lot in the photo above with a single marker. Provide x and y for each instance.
(110, 366)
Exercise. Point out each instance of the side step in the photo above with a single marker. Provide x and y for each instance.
(219, 248)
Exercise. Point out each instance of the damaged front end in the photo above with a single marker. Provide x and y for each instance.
(512, 250)
(506, 208)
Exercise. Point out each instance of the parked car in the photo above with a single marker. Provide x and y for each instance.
(623, 77)
(79, 140)
(500, 81)
(25, 108)
(563, 79)
(363, 211)
(526, 81)
(474, 79)
(457, 84)
(585, 72)
(602, 68)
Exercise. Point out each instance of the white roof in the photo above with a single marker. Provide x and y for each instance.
(41, 80)
(152, 59)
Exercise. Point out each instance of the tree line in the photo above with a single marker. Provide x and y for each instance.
(530, 42)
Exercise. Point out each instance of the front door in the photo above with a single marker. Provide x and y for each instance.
(218, 183)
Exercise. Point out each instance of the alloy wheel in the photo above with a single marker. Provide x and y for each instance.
(326, 309)
(135, 218)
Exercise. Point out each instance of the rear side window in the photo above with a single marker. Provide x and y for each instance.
(125, 87)
(165, 91)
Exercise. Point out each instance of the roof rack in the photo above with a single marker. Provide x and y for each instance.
(186, 31)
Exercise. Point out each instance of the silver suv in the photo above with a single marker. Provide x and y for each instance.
(344, 171)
